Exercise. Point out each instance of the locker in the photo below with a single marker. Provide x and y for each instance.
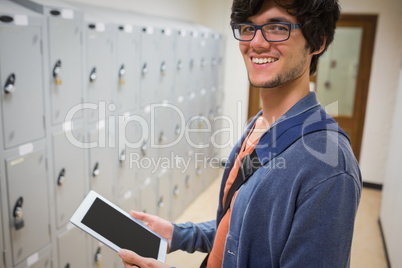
(178, 203)
(150, 66)
(127, 68)
(167, 63)
(65, 63)
(42, 259)
(72, 248)
(165, 193)
(148, 195)
(130, 141)
(102, 161)
(21, 81)
(28, 204)
(183, 47)
(99, 73)
(68, 173)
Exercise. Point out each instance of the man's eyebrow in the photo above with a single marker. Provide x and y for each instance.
(279, 19)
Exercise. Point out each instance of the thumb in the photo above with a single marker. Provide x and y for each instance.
(129, 256)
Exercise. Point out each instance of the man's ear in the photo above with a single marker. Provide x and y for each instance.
(322, 47)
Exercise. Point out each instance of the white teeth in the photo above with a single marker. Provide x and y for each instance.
(263, 60)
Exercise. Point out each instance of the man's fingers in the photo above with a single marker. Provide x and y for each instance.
(140, 215)
(129, 257)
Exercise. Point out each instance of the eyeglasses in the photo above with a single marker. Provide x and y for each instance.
(272, 32)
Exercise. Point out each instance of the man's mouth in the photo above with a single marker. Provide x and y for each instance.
(263, 60)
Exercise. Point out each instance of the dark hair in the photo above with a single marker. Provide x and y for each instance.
(319, 18)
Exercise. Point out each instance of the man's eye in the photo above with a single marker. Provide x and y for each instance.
(248, 29)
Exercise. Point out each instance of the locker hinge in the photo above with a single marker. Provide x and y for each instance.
(46, 164)
(41, 47)
(4, 258)
(44, 122)
(50, 230)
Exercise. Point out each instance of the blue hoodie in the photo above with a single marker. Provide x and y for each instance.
(299, 208)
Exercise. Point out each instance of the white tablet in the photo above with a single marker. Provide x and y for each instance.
(117, 229)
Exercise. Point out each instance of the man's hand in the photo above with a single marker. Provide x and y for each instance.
(156, 224)
(131, 259)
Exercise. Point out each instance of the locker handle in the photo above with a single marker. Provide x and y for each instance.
(122, 157)
(122, 74)
(67, 265)
(57, 72)
(176, 191)
(187, 181)
(211, 116)
(179, 65)
(144, 148)
(98, 257)
(198, 172)
(9, 87)
(96, 170)
(18, 214)
(203, 62)
(62, 177)
(6, 19)
(177, 130)
(160, 203)
(162, 138)
(163, 68)
(92, 75)
(145, 69)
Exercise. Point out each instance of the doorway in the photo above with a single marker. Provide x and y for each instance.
(343, 75)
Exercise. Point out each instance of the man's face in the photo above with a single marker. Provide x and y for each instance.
(275, 64)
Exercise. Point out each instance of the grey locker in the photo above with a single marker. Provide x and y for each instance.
(178, 195)
(65, 63)
(28, 204)
(148, 195)
(99, 73)
(127, 68)
(167, 66)
(21, 75)
(150, 66)
(69, 172)
(129, 154)
(183, 47)
(41, 259)
(102, 161)
(165, 193)
(72, 248)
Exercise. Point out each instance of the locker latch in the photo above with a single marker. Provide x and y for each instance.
(122, 75)
(162, 138)
(96, 170)
(163, 68)
(92, 75)
(18, 214)
(122, 156)
(9, 87)
(57, 73)
(62, 177)
(198, 171)
(187, 181)
(179, 65)
(144, 149)
(67, 265)
(98, 257)
(160, 203)
(145, 69)
(176, 191)
(177, 130)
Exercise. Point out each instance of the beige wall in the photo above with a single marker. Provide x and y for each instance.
(384, 76)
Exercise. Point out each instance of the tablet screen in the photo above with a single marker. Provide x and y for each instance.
(121, 230)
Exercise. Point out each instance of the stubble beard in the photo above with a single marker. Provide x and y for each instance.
(284, 78)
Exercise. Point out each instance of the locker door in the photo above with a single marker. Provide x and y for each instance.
(72, 248)
(128, 68)
(182, 63)
(21, 75)
(150, 65)
(167, 58)
(28, 204)
(102, 164)
(148, 195)
(99, 72)
(65, 66)
(69, 174)
(130, 138)
(165, 194)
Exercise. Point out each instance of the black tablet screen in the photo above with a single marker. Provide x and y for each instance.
(120, 230)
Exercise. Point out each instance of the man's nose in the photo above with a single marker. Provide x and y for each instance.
(259, 40)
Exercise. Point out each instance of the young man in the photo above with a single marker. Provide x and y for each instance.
(297, 203)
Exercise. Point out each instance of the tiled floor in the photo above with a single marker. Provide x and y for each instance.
(367, 249)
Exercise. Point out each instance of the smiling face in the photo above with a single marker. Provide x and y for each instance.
(275, 64)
